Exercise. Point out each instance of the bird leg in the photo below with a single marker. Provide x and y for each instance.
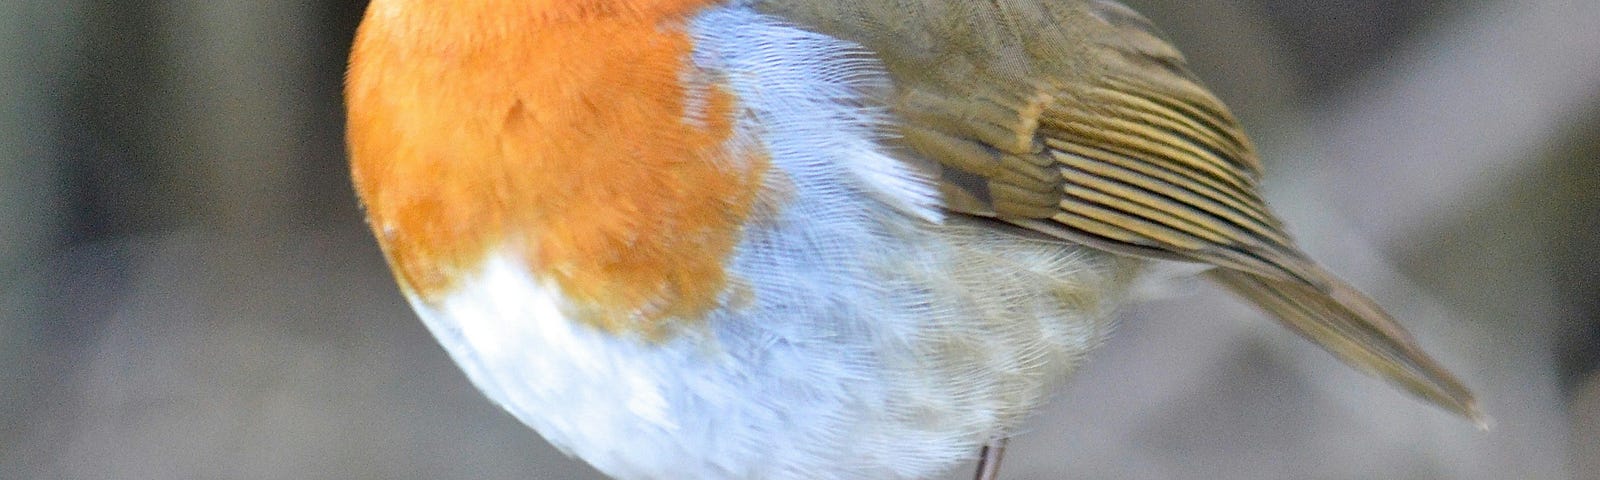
(989, 459)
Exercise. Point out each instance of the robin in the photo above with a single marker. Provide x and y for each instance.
(786, 239)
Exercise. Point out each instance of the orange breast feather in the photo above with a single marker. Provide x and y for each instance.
(560, 132)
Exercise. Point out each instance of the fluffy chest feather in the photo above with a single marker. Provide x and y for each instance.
(596, 149)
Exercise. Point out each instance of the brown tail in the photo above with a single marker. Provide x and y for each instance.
(1348, 324)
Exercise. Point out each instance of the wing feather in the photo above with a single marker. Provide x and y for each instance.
(1077, 119)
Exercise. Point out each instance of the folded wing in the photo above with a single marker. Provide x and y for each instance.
(1078, 120)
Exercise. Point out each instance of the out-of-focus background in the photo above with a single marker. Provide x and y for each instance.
(187, 289)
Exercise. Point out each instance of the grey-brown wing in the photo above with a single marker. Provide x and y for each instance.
(1077, 119)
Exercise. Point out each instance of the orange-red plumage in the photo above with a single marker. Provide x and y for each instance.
(493, 138)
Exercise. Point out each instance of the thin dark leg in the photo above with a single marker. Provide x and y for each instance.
(989, 459)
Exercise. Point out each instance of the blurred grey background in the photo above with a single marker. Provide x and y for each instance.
(187, 289)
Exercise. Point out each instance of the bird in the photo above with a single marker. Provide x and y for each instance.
(783, 239)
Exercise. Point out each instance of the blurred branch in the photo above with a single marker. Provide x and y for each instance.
(244, 75)
(1465, 107)
(36, 41)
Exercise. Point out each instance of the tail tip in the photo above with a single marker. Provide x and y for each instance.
(1484, 422)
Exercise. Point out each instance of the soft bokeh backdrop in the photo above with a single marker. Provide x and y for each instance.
(187, 289)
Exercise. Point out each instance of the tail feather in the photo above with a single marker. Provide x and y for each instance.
(1345, 322)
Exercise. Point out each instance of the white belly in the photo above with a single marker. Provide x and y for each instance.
(897, 372)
